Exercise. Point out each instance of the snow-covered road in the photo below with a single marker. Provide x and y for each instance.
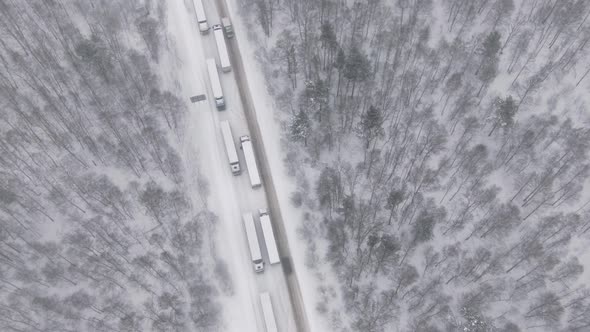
(230, 196)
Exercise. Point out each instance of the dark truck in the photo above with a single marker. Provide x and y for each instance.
(228, 29)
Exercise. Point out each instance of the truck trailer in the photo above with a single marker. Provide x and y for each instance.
(250, 161)
(253, 242)
(221, 48)
(215, 84)
(230, 147)
(268, 313)
(201, 18)
(269, 237)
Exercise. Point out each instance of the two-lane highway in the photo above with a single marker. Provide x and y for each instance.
(230, 196)
(290, 273)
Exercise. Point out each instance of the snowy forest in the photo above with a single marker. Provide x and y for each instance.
(440, 149)
(97, 229)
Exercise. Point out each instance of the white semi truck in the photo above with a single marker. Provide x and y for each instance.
(230, 147)
(221, 48)
(250, 161)
(215, 84)
(201, 18)
(268, 313)
(269, 237)
(253, 242)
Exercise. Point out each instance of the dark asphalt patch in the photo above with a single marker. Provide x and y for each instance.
(198, 98)
(286, 263)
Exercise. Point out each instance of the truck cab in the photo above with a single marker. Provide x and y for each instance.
(228, 28)
(258, 265)
(220, 103)
(204, 27)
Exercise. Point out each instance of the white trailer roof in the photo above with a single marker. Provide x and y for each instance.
(228, 139)
(269, 239)
(269, 316)
(199, 11)
(214, 78)
(251, 235)
(250, 162)
(221, 48)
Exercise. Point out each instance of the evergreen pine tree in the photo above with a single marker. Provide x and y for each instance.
(423, 227)
(300, 127)
(491, 45)
(371, 125)
(505, 112)
(394, 198)
(489, 50)
(357, 67)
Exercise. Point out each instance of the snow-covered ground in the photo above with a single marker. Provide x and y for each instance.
(230, 196)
